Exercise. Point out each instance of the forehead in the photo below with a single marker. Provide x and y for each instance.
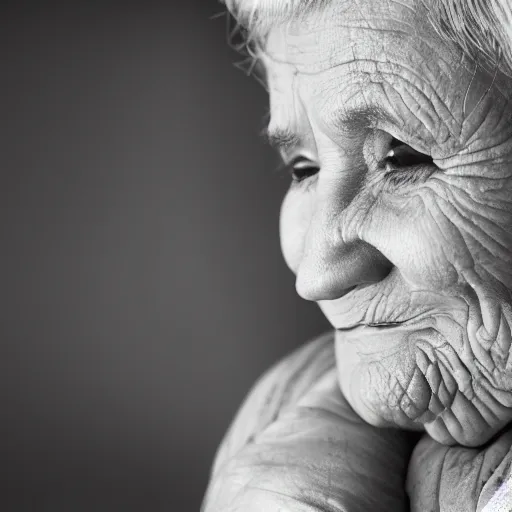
(328, 18)
(346, 31)
(329, 56)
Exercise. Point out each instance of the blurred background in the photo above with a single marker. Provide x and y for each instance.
(143, 289)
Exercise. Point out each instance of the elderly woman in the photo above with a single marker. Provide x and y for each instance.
(395, 120)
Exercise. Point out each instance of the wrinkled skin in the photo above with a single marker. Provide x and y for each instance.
(296, 445)
(458, 479)
(410, 263)
(426, 247)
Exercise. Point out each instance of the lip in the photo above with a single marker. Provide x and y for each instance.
(358, 310)
(372, 325)
(349, 311)
(385, 325)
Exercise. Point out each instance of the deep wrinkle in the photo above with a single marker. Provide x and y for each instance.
(415, 278)
(360, 211)
(340, 118)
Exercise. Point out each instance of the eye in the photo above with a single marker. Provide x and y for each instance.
(301, 168)
(401, 155)
(404, 166)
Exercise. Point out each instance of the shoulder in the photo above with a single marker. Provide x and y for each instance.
(280, 387)
(296, 444)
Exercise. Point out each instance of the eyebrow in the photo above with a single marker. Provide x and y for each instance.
(359, 117)
(284, 139)
(281, 139)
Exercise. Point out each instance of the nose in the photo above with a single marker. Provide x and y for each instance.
(332, 264)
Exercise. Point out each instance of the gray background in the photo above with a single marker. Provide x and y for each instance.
(143, 289)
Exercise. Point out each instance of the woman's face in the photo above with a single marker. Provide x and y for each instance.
(398, 220)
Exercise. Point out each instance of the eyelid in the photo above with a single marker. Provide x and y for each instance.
(300, 168)
(302, 159)
(407, 139)
(297, 156)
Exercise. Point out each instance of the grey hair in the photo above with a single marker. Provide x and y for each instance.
(482, 29)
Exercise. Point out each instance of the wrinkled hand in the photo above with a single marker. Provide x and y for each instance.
(458, 479)
(297, 445)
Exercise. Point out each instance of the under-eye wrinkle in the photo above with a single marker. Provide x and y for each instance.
(412, 176)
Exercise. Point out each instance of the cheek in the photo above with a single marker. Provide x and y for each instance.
(451, 368)
(296, 212)
(419, 238)
(443, 230)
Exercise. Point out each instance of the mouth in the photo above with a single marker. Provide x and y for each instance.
(412, 322)
(384, 325)
(362, 310)
(372, 325)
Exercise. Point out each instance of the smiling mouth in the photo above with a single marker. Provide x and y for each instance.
(383, 325)
(386, 325)
(343, 319)
(373, 325)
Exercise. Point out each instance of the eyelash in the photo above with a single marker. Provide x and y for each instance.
(419, 167)
(299, 172)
